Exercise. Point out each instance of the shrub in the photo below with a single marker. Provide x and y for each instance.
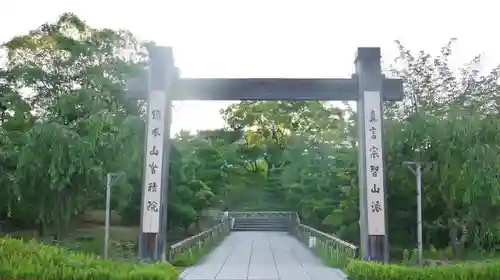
(433, 252)
(359, 270)
(32, 260)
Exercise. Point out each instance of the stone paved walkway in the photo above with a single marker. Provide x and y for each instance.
(261, 256)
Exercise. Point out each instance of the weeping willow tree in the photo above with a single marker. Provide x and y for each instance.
(65, 181)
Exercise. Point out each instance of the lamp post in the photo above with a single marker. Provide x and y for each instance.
(109, 183)
(416, 169)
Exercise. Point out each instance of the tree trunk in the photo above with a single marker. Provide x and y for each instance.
(198, 226)
(456, 242)
(41, 228)
(453, 236)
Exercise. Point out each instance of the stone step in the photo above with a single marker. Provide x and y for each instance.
(261, 224)
(261, 229)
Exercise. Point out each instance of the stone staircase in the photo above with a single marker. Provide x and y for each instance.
(261, 224)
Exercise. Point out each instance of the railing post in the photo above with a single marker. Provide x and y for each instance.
(169, 253)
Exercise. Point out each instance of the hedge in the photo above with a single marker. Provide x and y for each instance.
(32, 260)
(361, 270)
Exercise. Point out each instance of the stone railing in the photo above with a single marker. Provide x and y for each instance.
(331, 248)
(194, 246)
(263, 214)
(295, 219)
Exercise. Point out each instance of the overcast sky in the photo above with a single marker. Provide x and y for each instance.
(274, 38)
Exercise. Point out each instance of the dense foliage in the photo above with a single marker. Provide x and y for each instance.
(65, 122)
(31, 260)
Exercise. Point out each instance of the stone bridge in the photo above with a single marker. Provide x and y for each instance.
(266, 246)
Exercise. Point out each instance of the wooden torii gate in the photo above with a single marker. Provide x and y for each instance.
(367, 86)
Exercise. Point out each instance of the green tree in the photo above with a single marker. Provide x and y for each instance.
(74, 76)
